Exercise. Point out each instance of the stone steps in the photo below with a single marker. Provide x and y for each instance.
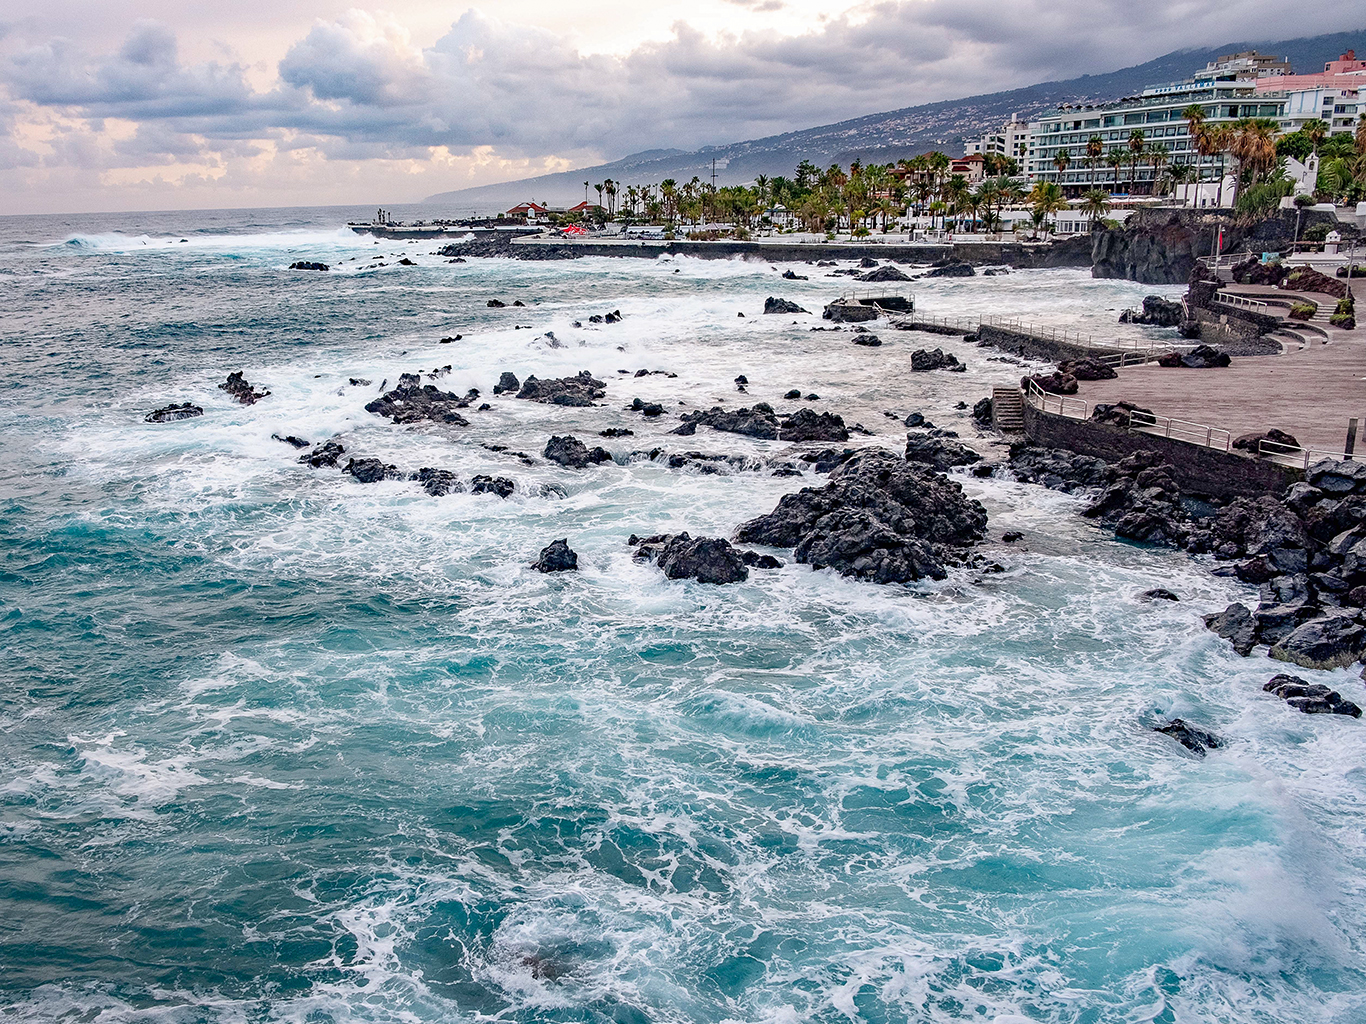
(1007, 410)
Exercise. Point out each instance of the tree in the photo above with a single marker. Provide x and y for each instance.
(1360, 137)
(1178, 174)
(1195, 130)
(1060, 160)
(1158, 156)
(1046, 198)
(1095, 148)
(1138, 145)
(1096, 203)
(1315, 131)
(1115, 158)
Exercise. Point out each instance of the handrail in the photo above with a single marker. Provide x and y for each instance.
(1294, 455)
(859, 294)
(1041, 399)
(1181, 430)
(1240, 301)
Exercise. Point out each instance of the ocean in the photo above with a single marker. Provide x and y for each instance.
(279, 745)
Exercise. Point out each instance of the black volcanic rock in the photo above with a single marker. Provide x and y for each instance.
(324, 456)
(939, 452)
(507, 382)
(1197, 741)
(759, 421)
(1311, 698)
(879, 518)
(438, 482)
(925, 360)
(499, 485)
(705, 559)
(557, 556)
(806, 425)
(580, 390)
(572, 453)
(773, 305)
(412, 402)
(172, 413)
(886, 272)
(239, 388)
(370, 471)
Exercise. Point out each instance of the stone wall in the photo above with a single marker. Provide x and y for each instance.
(1196, 469)
(1031, 346)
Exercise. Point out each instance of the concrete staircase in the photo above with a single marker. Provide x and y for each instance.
(1007, 410)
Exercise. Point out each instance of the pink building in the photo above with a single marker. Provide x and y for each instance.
(1346, 65)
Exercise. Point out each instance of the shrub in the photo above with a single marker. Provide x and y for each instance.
(1346, 304)
(1346, 321)
(1303, 310)
(1315, 232)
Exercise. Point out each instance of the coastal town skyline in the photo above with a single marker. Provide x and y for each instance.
(146, 106)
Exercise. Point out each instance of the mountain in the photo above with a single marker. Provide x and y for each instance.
(885, 137)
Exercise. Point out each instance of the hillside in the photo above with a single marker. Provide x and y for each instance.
(887, 136)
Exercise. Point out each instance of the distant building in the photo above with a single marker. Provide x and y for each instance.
(584, 208)
(1331, 76)
(531, 211)
(972, 167)
(1011, 139)
(1336, 105)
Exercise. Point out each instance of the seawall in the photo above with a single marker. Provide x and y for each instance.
(1198, 470)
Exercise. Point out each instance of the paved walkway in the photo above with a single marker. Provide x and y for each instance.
(1311, 393)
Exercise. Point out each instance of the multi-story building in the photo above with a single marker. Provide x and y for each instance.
(1226, 91)
(1011, 139)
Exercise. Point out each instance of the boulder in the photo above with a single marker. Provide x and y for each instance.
(805, 425)
(1055, 383)
(1202, 357)
(1338, 477)
(172, 413)
(1236, 625)
(370, 471)
(1057, 468)
(1158, 594)
(925, 360)
(499, 485)
(324, 456)
(1333, 641)
(1087, 369)
(579, 390)
(984, 412)
(1252, 442)
(438, 482)
(705, 559)
(412, 402)
(556, 557)
(954, 269)
(789, 275)
(867, 340)
(291, 440)
(507, 382)
(773, 305)
(1120, 414)
(305, 265)
(886, 272)
(1311, 698)
(1197, 741)
(1157, 312)
(879, 518)
(940, 452)
(572, 453)
(239, 388)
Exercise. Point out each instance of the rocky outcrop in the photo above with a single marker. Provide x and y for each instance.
(580, 390)
(937, 449)
(1335, 640)
(305, 265)
(1253, 442)
(507, 382)
(1141, 502)
(499, 485)
(241, 390)
(556, 556)
(680, 556)
(1057, 469)
(438, 482)
(371, 471)
(1156, 312)
(1055, 383)
(879, 518)
(953, 268)
(172, 413)
(1311, 698)
(759, 421)
(413, 402)
(324, 456)
(1197, 741)
(867, 340)
(983, 412)
(1086, 369)
(925, 360)
(773, 305)
(805, 425)
(572, 453)
(291, 440)
(886, 272)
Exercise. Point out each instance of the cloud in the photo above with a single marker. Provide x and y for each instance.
(357, 88)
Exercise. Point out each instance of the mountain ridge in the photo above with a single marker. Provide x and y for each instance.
(886, 136)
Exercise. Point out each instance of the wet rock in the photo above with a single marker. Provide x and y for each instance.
(580, 390)
(1056, 383)
(412, 402)
(616, 432)
(1196, 740)
(792, 276)
(805, 425)
(371, 471)
(1333, 641)
(495, 304)
(507, 382)
(886, 272)
(757, 561)
(984, 412)
(879, 518)
(775, 305)
(499, 485)
(438, 482)
(240, 389)
(925, 360)
(867, 340)
(172, 413)
(867, 262)
(1311, 698)
(1058, 469)
(556, 557)
(759, 421)
(1338, 478)
(324, 456)
(953, 269)
(406, 262)
(705, 559)
(1202, 357)
(572, 453)
(1236, 625)
(291, 440)
(358, 382)
(1158, 594)
(305, 265)
(1156, 312)
(938, 451)
(826, 459)
(650, 409)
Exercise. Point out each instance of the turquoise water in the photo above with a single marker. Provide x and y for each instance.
(278, 745)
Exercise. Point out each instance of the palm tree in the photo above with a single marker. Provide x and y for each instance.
(1095, 148)
(1360, 137)
(1096, 203)
(1047, 198)
(1315, 130)
(1114, 156)
(600, 187)
(1158, 156)
(1177, 174)
(1218, 141)
(1195, 130)
(1138, 144)
(1253, 144)
(1060, 160)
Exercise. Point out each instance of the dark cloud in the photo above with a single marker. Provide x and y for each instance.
(357, 89)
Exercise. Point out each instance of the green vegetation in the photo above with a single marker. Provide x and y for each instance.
(1303, 311)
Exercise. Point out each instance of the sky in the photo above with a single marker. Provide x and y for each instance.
(113, 105)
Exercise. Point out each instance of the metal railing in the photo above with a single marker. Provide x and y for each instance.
(1181, 430)
(1293, 455)
(1243, 302)
(1038, 331)
(872, 294)
(1224, 262)
(1061, 405)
